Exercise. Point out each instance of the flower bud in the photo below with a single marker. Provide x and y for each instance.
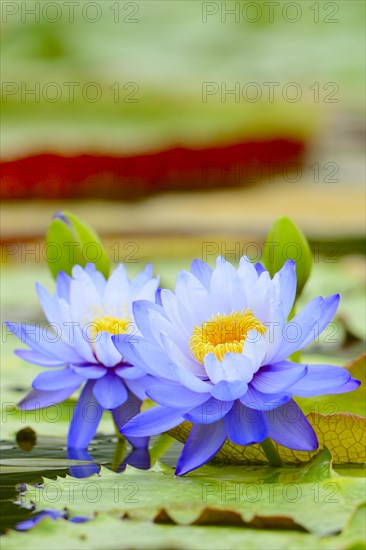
(286, 241)
(72, 242)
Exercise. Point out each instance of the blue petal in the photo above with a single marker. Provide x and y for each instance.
(63, 286)
(289, 427)
(209, 412)
(255, 348)
(175, 396)
(202, 444)
(145, 355)
(139, 386)
(222, 286)
(38, 358)
(49, 304)
(85, 419)
(259, 268)
(233, 367)
(279, 377)
(300, 330)
(33, 336)
(245, 426)
(110, 391)
(141, 279)
(124, 413)
(193, 299)
(146, 292)
(105, 350)
(285, 283)
(329, 307)
(57, 380)
(153, 421)
(229, 391)
(89, 371)
(255, 399)
(351, 385)
(96, 276)
(141, 310)
(321, 379)
(191, 381)
(203, 272)
(83, 294)
(41, 399)
(129, 372)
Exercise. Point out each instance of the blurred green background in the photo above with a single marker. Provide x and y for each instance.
(177, 129)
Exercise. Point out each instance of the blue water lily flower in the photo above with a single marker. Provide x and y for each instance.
(83, 315)
(218, 350)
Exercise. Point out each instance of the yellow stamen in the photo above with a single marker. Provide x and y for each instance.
(223, 333)
(114, 325)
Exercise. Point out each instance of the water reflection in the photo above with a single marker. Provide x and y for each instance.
(138, 458)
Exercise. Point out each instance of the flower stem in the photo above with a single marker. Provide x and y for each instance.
(119, 453)
(271, 453)
(160, 447)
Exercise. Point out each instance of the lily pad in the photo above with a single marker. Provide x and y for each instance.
(258, 497)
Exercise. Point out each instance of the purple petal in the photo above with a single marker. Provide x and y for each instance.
(289, 427)
(245, 426)
(85, 419)
(153, 421)
(202, 444)
(57, 380)
(255, 399)
(279, 377)
(321, 379)
(209, 412)
(175, 396)
(110, 391)
(41, 399)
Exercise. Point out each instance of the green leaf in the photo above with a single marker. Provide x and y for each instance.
(286, 241)
(72, 242)
(258, 497)
(110, 533)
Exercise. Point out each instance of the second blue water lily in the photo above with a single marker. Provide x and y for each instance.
(77, 347)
